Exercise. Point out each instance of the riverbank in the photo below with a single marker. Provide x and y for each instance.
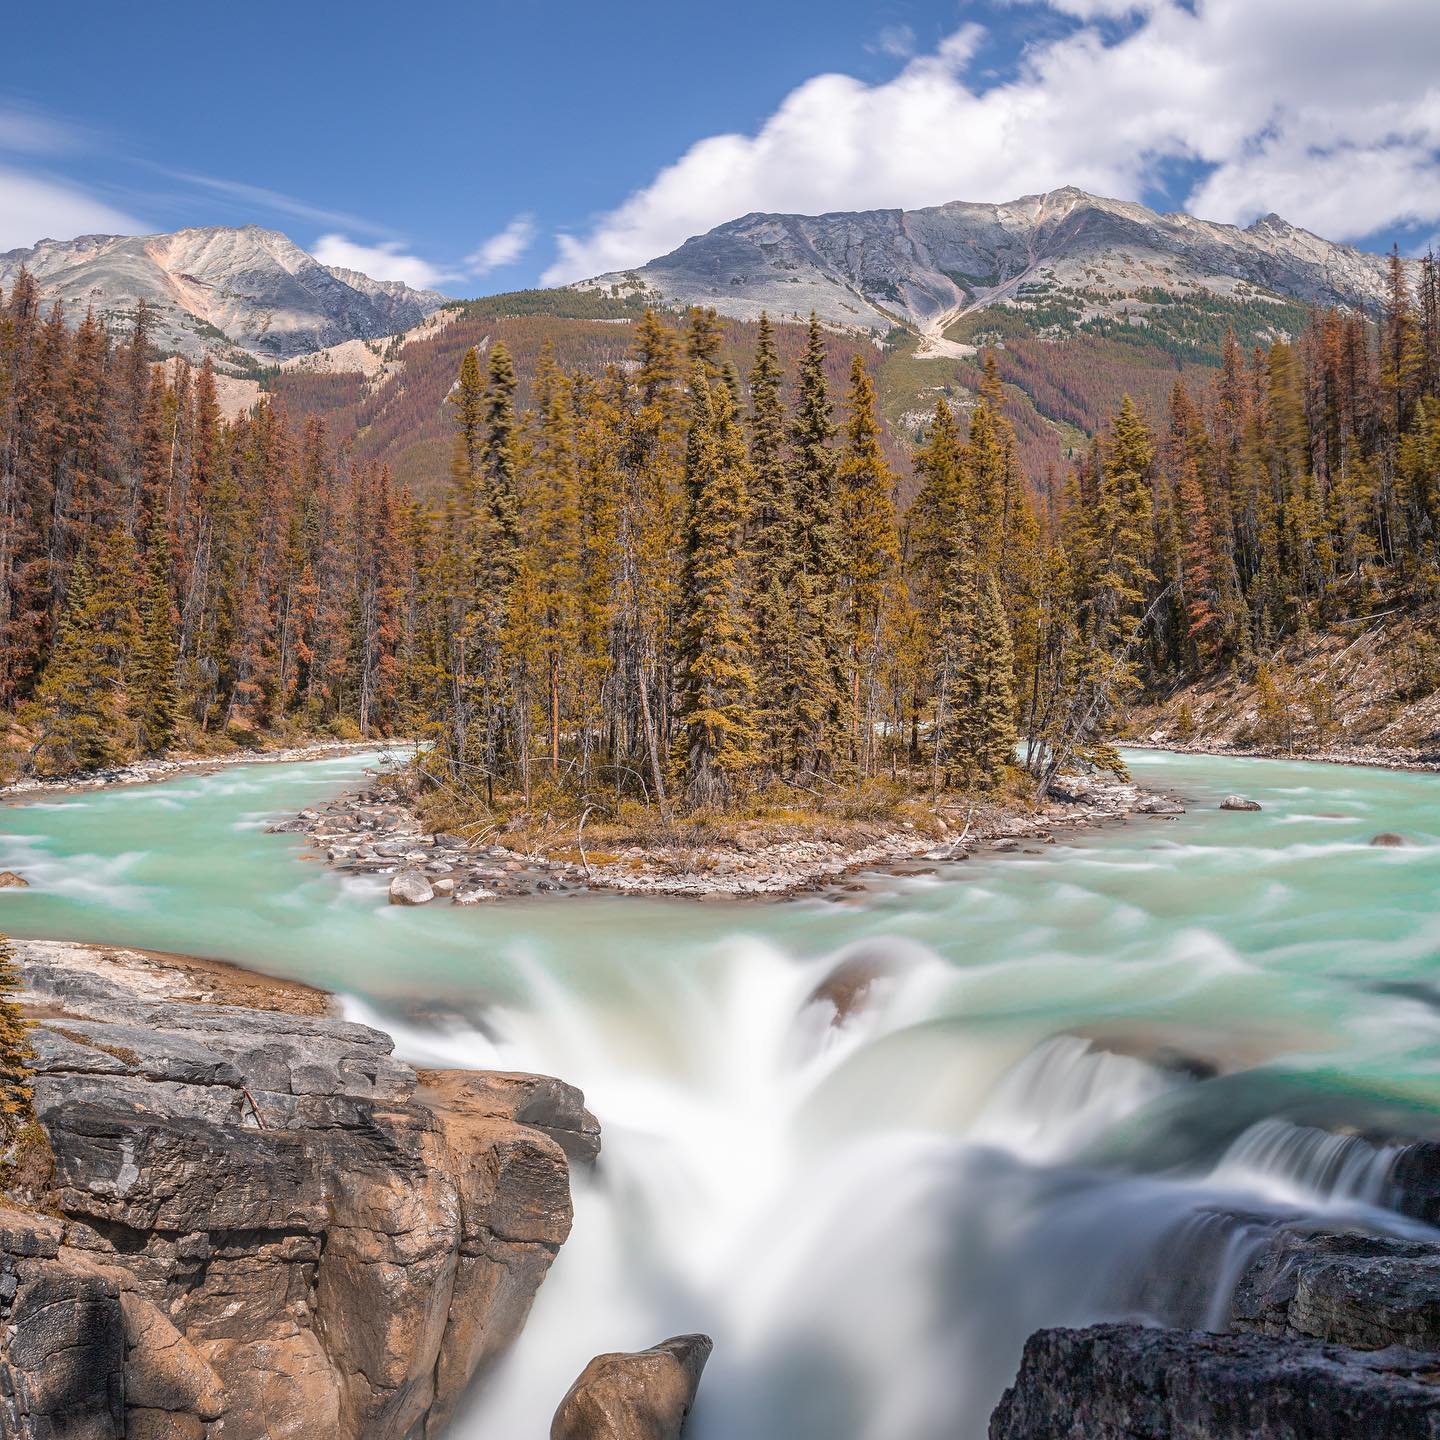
(1379, 757)
(146, 772)
(378, 832)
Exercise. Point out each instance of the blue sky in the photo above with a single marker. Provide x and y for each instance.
(486, 147)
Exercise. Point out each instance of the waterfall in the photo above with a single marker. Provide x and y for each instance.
(867, 1213)
(1300, 1164)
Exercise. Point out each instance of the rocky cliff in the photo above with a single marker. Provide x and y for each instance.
(1063, 258)
(237, 293)
(261, 1224)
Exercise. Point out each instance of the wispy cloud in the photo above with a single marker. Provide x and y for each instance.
(28, 131)
(504, 248)
(259, 197)
(897, 41)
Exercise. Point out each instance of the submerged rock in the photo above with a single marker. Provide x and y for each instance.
(410, 887)
(1128, 1382)
(1388, 839)
(1239, 802)
(267, 1225)
(645, 1395)
(9, 880)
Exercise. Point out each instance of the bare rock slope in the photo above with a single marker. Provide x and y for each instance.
(1066, 251)
(238, 293)
(264, 1225)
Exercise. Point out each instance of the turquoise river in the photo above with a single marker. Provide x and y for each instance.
(1085, 1082)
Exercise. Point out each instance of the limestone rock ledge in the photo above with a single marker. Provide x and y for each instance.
(265, 1225)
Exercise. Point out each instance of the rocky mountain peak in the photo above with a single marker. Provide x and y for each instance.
(240, 294)
(1076, 255)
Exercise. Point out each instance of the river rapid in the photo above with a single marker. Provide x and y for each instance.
(1084, 1081)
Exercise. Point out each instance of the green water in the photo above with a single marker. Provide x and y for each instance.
(955, 1161)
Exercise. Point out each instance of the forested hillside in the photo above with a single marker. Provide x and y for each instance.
(669, 565)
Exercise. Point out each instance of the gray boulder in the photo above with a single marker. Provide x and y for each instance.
(1239, 802)
(410, 887)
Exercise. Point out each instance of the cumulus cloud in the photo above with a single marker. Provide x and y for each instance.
(1325, 111)
(504, 248)
(34, 207)
(384, 261)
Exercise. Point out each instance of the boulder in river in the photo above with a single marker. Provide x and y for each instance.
(474, 895)
(1239, 802)
(9, 880)
(410, 887)
(645, 1395)
(1389, 840)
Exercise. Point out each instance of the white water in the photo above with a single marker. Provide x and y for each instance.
(1017, 1128)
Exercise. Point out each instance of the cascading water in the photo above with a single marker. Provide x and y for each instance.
(870, 1147)
(867, 1227)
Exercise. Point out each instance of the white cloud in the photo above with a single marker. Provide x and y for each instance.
(384, 261)
(34, 208)
(1323, 110)
(504, 248)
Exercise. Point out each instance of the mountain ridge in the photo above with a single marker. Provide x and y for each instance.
(243, 294)
(1064, 254)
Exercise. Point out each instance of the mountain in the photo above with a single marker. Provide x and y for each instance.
(1056, 263)
(241, 294)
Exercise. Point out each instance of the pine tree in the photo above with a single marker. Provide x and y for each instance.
(80, 698)
(870, 556)
(987, 726)
(820, 723)
(771, 570)
(717, 731)
(154, 694)
(16, 1054)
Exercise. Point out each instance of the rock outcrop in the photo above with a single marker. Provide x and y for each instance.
(1364, 1291)
(1337, 1337)
(1128, 1382)
(267, 1225)
(1239, 802)
(643, 1395)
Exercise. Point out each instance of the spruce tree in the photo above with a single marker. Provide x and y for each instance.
(717, 739)
(987, 724)
(820, 718)
(154, 694)
(772, 559)
(16, 1054)
(870, 550)
(80, 698)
